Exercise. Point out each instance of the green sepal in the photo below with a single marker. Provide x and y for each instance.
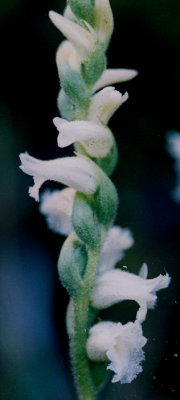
(93, 68)
(99, 374)
(108, 163)
(74, 86)
(85, 221)
(83, 9)
(65, 106)
(71, 265)
(106, 201)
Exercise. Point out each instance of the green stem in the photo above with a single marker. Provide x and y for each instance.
(79, 359)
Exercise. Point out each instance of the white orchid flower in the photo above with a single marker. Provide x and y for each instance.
(103, 20)
(104, 104)
(116, 285)
(119, 344)
(112, 76)
(83, 39)
(117, 240)
(57, 208)
(96, 139)
(78, 172)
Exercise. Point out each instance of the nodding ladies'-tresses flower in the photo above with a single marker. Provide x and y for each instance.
(116, 285)
(83, 39)
(119, 344)
(103, 21)
(96, 139)
(104, 104)
(78, 172)
(57, 207)
(117, 240)
(66, 53)
(112, 76)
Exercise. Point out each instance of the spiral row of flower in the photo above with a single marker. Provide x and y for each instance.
(86, 209)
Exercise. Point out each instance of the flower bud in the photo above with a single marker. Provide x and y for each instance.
(85, 221)
(71, 264)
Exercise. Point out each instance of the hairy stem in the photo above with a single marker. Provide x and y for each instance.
(79, 359)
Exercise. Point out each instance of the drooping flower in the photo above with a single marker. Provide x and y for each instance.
(119, 344)
(114, 75)
(104, 104)
(117, 240)
(57, 208)
(77, 172)
(103, 21)
(96, 139)
(116, 285)
(82, 39)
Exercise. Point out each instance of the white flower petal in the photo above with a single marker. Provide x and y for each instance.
(103, 20)
(111, 76)
(104, 104)
(96, 138)
(67, 53)
(121, 344)
(80, 37)
(118, 239)
(57, 208)
(116, 285)
(78, 172)
(143, 271)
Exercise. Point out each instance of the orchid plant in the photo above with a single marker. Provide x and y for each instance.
(85, 211)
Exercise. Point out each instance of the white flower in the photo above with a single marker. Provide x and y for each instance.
(120, 344)
(104, 104)
(78, 172)
(96, 139)
(111, 76)
(57, 208)
(82, 39)
(66, 53)
(117, 240)
(103, 20)
(116, 285)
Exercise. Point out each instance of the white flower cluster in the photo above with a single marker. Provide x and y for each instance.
(173, 142)
(119, 344)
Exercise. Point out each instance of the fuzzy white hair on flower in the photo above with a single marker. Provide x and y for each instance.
(117, 240)
(104, 104)
(116, 285)
(96, 139)
(82, 39)
(121, 345)
(57, 207)
(114, 75)
(77, 172)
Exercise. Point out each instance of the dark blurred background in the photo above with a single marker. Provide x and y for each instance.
(34, 347)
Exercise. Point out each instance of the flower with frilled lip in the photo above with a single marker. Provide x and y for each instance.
(78, 172)
(96, 139)
(116, 285)
(119, 344)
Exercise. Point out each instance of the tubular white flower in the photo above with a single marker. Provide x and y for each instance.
(66, 53)
(118, 239)
(57, 207)
(111, 76)
(82, 39)
(104, 104)
(120, 344)
(78, 172)
(116, 285)
(103, 20)
(96, 138)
